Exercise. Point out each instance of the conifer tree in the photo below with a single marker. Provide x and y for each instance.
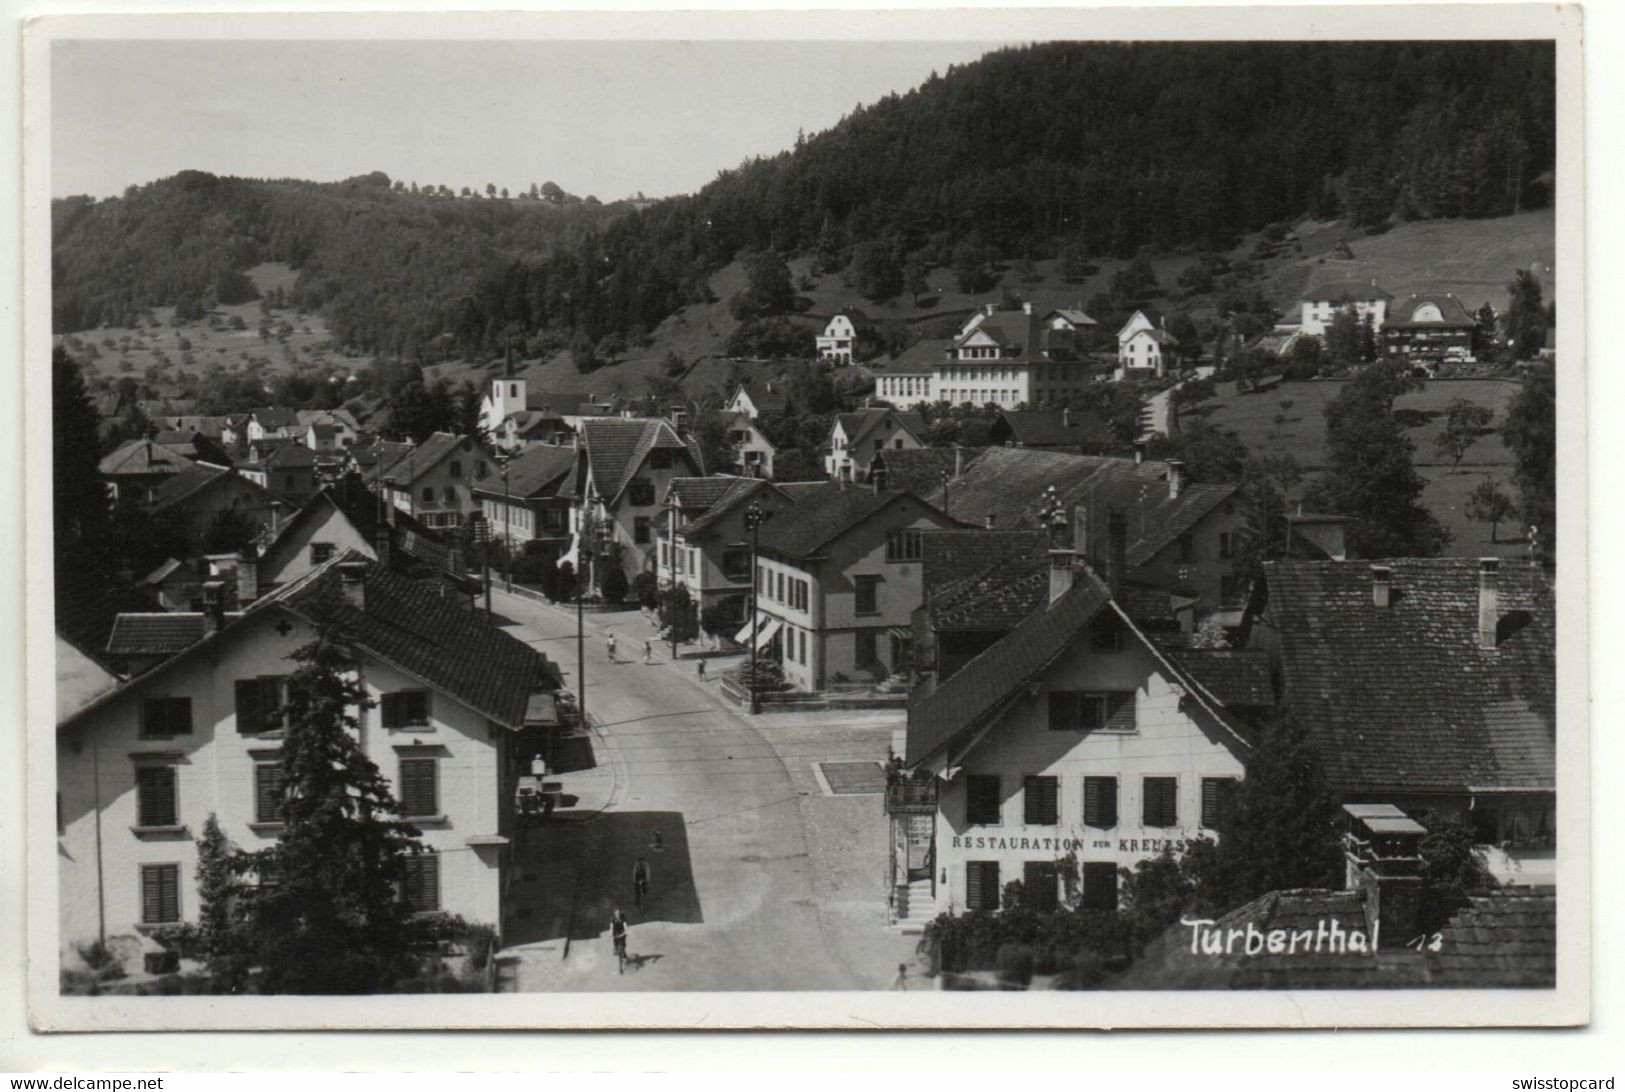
(329, 914)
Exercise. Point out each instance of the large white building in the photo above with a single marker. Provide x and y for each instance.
(142, 766)
(1322, 303)
(1006, 358)
(1072, 741)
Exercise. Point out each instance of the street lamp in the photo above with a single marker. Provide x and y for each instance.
(1052, 517)
(585, 536)
(755, 516)
(945, 475)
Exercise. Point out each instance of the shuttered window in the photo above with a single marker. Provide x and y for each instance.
(866, 598)
(268, 792)
(1091, 710)
(1100, 802)
(1217, 793)
(155, 796)
(160, 894)
(1161, 801)
(1041, 880)
(1041, 801)
(259, 703)
(1099, 885)
(420, 789)
(405, 708)
(982, 800)
(981, 885)
(422, 890)
(166, 717)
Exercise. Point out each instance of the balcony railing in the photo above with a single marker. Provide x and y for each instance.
(906, 795)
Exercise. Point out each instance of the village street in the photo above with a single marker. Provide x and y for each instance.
(761, 879)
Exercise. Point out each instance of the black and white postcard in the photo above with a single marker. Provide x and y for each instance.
(962, 519)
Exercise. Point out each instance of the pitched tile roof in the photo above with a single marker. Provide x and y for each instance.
(617, 446)
(765, 398)
(413, 625)
(184, 485)
(822, 513)
(559, 403)
(1403, 697)
(141, 457)
(1340, 292)
(1056, 427)
(275, 417)
(1236, 677)
(967, 698)
(1074, 316)
(920, 469)
(983, 580)
(1452, 312)
(423, 458)
(922, 356)
(861, 423)
(380, 457)
(1504, 938)
(156, 634)
(534, 472)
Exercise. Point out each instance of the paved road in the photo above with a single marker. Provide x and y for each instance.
(738, 898)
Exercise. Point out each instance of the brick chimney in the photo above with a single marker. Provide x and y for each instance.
(1383, 863)
(1176, 478)
(1139, 452)
(1489, 600)
(959, 460)
(990, 520)
(1116, 549)
(1080, 531)
(214, 606)
(248, 577)
(353, 583)
(383, 546)
(1382, 586)
(1062, 567)
(1066, 416)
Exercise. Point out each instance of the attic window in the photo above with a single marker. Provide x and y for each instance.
(660, 460)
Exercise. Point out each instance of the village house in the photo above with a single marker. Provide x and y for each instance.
(1144, 347)
(1429, 684)
(434, 481)
(136, 468)
(855, 439)
(337, 428)
(1428, 330)
(1181, 536)
(758, 400)
(272, 422)
(527, 501)
(515, 416)
(1069, 750)
(703, 542)
(908, 381)
(753, 451)
(839, 340)
(1062, 429)
(624, 465)
(142, 767)
(1321, 304)
(838, 577)
(282, 465)
(199, 501)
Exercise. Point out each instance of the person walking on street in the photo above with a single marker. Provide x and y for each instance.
(611, 643)
(640, 882)
(699, 669)
(648, 652)
(901, 981)
(617, 937)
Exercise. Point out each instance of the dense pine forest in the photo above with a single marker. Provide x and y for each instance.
(1067, 149)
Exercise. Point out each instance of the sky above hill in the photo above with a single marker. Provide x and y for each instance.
(600, 117)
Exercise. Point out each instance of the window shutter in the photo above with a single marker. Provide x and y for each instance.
(418, 795)
(1100, 885)
(180, 716)
(155, 786)
(152, 717)
(249, 719)
(982, 885)
(169, 892)
(417, 706)
(422, 886)
(1100, 802)
(1040, 880)
(1217, 793)
(1041, 796)
(1120, 710)
(268, 792)
(389, 707)
(271, 700)
(1161, 802)
(1063, 711)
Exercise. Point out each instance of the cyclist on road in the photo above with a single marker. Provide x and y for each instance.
(640, 882)
(612, 648)
(617, 936)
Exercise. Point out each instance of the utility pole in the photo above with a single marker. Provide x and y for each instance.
(755, 516)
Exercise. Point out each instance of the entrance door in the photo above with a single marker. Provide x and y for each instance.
(917, 831)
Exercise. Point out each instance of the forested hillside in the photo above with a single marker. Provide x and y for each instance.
(1067, 150)
(388, 264)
